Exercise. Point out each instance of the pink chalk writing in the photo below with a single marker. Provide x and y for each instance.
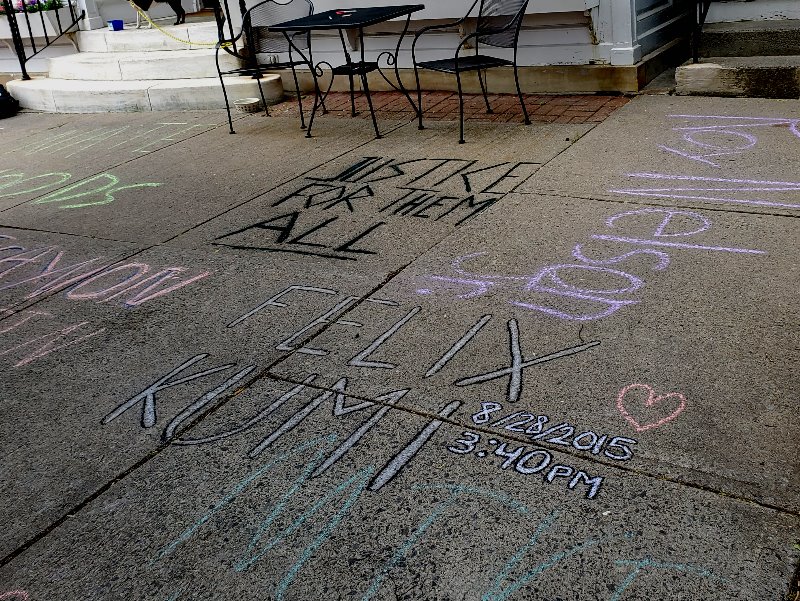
(14, 596)
(40, 346)
(45, 270)
(669, 400)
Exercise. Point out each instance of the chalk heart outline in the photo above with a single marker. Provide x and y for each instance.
(652, 399)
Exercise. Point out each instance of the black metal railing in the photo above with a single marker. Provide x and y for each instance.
(32, 28)
(700, 14)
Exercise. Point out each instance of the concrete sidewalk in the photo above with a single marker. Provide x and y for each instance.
(557, 362)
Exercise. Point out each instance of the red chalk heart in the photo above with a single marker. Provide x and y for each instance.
(652, 399)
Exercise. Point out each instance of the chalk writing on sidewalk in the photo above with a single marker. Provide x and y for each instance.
(336, 396)
(14, 596)
(525, 461)
(535, 428)
(708, 137)
(34, 271)
(312, 394)
(27, 274)
(41, 345)
(718, 190)
(555, 285)
(513, 371)
(326, 216)
(298, 523)
(74, 141)
(626, 403)
(96, 190)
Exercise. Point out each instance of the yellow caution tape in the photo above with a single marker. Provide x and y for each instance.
(169, 35)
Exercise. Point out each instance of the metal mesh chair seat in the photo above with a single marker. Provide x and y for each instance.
(261, 67)
(257, 38)
(465, 63)
(355, 68)
(498, 24)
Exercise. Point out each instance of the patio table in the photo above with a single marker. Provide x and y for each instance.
(354, 19)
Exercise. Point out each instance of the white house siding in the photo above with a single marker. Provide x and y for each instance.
(554, 39)
(658, 22)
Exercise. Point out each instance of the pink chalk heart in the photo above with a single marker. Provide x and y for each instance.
(652, 399)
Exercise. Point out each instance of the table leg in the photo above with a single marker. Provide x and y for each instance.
(297, 89)
(392, 61)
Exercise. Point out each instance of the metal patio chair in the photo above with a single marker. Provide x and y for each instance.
(256, 39)
(498, 24)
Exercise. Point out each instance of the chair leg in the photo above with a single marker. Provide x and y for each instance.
(419, 98)
(261, 91)
(485, 97)
(460, 109)
(519, 93)
(299, 98)
(227, 105)
(317, 96)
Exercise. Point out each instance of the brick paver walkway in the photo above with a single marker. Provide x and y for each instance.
(444, 106)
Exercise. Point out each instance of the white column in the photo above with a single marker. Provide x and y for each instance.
(615, 28)
(92, 20)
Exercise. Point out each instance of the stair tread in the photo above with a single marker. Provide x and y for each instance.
(767, 62)
(74, 96)
(95, 57)
(753, 26)
(193, 36)
(115, 85)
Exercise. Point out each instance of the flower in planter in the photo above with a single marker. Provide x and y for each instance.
(32, 6)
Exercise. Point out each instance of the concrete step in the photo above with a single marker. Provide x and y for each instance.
(751, 38)
(129, 66)
(192, 36)
(750, 10)
(72, 96)
(751, 77)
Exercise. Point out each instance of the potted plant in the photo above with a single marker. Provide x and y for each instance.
(42, 16)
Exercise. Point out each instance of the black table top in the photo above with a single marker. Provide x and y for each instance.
(347, 18)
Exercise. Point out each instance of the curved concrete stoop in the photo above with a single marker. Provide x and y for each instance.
(132, 66)
(79, 96)
(140, 70)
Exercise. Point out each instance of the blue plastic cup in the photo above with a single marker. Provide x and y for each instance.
(115, 25)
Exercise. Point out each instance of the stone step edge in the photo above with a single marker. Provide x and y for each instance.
(64, 96)
(745, 77)
(751, 38)
(198, 36)
(129, 66)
